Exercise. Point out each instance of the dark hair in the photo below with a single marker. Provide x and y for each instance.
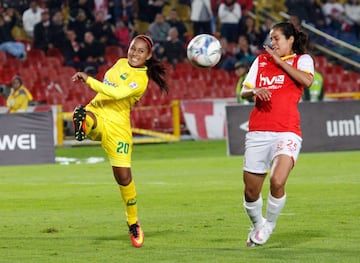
(18, 78)
(300, 38)
(156, 70)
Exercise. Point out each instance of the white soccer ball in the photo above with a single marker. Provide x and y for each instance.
(204, 51)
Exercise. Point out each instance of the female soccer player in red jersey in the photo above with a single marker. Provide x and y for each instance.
(275, 80)
(107, 117)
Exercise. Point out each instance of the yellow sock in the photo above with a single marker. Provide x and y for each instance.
(128, 194)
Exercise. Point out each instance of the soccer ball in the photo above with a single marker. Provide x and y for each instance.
(204, 51)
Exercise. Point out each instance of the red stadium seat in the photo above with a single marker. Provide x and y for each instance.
(320, 62)
(36, 54)
(6, 75)
(115, 50)
(55, 52)
(3, 57)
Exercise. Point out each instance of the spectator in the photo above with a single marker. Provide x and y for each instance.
(294, 19)
(244, 52)
(352, 12)
(7, 42)
(92, 52)
(31, 17)
(201, 16)
(316, 91)
(298, 8)
(122, 33)
(215, 10)
(174, 21)
(54, 5)
(253, 34)
(172, 50)
(334, 13)
(227, 53)
(265, 30)
(57, 30)
(141, 12)
(12, 15)
(134, 30)
(126, 11)
(155, 7)
(102, 30)
(159, 29)
(241, 70)
(80, 24)
(41, 31)
(20, 96)
(102, 5)
(20, 6)
(246, 6)
(87, 5)
(71, 49)
(229, 15)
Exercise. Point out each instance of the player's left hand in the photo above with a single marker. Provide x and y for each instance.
(80, 76)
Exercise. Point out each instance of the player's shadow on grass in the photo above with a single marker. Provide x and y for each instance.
(294, 238)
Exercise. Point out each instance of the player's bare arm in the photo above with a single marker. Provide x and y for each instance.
(262, 94)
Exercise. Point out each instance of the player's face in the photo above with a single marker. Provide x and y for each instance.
(138, 53)
(280, 44)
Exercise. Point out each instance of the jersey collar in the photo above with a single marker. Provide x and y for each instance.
(288, 56)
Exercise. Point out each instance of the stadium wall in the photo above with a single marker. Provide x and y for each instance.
(326, 126)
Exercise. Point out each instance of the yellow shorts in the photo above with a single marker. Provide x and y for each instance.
(115, 140)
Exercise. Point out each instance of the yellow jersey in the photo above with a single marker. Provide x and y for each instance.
(18, 100)
(122, 87)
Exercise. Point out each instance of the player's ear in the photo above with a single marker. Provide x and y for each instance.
(149, 56)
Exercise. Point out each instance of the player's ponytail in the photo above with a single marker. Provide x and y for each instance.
(156, 71)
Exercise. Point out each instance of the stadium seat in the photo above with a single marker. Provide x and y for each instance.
(6, 75)
(183, 68)
(55, 99)
(37, 54)
(67, 70)
(55, 52)
(114, 50)
(2, 57)
(69, 105)
(52, 62)
(2, 101)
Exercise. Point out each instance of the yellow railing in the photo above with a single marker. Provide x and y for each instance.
(343, 95)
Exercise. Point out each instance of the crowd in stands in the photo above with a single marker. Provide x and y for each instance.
(82, 30)
(64, 24)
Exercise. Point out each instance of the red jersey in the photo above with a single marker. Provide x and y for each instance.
(280, 114)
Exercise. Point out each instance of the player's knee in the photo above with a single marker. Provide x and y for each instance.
(277, 185)
(251, 195)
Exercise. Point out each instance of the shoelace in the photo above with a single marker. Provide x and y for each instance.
(133, 230)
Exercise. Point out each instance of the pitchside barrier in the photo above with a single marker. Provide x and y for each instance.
(26, 138)
(326, 126)
(57, 122)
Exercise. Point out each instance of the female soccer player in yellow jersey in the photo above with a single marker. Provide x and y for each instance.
(107, 117)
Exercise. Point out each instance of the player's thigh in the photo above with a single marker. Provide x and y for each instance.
(287, 143)
(117, 143)
(257, 157)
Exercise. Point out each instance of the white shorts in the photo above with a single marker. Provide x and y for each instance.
(262, 147)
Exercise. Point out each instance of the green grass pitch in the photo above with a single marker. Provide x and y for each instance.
(190, 207)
